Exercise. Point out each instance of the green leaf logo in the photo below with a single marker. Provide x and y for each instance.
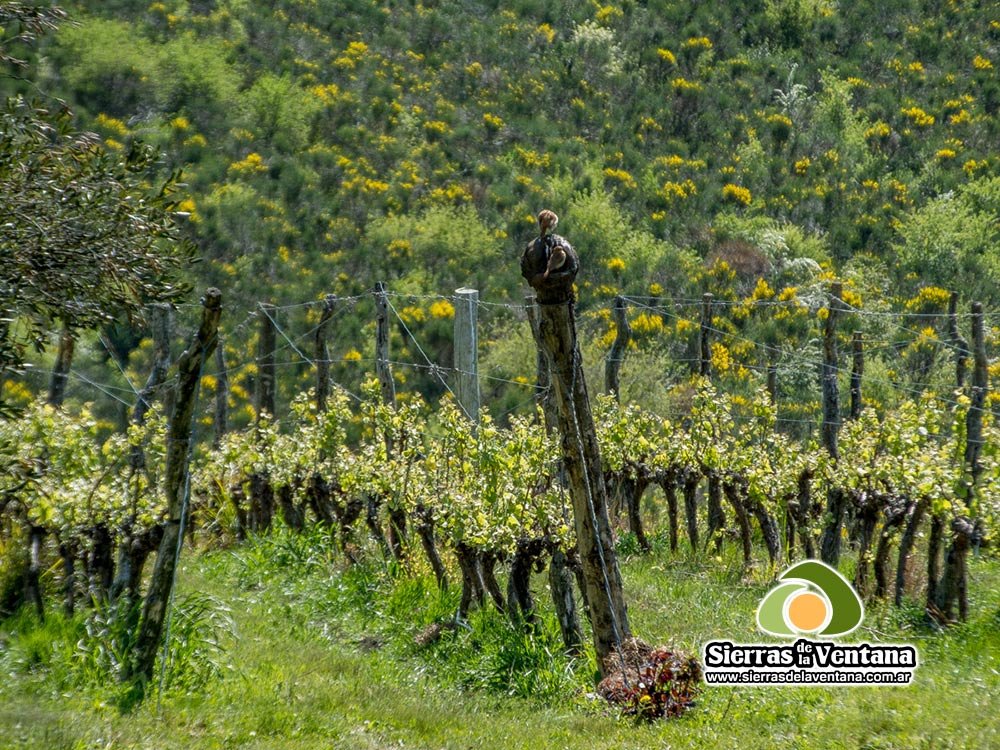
(811, 598)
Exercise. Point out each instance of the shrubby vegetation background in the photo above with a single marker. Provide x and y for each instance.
(688, 147)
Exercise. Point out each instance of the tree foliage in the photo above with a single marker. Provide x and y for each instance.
(88, 232)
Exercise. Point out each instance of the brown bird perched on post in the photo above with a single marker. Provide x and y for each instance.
(549, 263)
(547, 221)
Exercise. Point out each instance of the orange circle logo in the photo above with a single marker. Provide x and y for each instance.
(807, 611)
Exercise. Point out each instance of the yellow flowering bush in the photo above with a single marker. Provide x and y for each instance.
(721, 359)
(736, 194)
(253, 163)
(492, 122)
(682, 85)
(412, 314)
(112, 124)
(622, 177)
(918, 117)
(697, 43)
(929, 299)
(763, 290)
(442, 309)
(645, 323)
(666, 55)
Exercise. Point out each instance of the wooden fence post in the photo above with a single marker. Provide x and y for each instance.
(772, 379)
(623, 335)
(557, 335)
(857, 372)
(176, 487)
(836, 499)
(957, 341)
(383, 369)
(261, 489)
(561, 574)
(828, 372)
(716, 514)
(705, 336)
(265, 362)
(221, 417)
(466, 348)
(543, 374)
(980, 385)
(32, 579)
(323, 353)
(964, 531)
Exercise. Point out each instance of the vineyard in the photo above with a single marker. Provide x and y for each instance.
(903, 494)
(415, 470)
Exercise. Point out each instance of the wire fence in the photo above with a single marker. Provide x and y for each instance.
(119, 386)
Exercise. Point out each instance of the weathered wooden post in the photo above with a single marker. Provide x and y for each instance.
(466, 350)
(772, 379)
(828, 372)
(957, 341)
(221, 416)
(383, 370)
(176, 487)
(716, 514)
(980, 385)
(623, 335)
(953, 585)
(32, 578)
(835, 499)
(705, 336)
(857, 372)
(265, 362)
(543, 375)
(261, 489)
(322, 353)
(550, 265)
(561, 574)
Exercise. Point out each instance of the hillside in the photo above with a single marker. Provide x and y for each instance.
(687, 148)
(319, 138)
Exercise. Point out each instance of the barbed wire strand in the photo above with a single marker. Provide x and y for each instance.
(816, 363)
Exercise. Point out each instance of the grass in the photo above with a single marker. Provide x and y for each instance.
(312, 656)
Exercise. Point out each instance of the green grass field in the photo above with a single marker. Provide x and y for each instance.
(275, 646)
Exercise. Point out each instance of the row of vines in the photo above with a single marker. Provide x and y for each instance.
(417, 484)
